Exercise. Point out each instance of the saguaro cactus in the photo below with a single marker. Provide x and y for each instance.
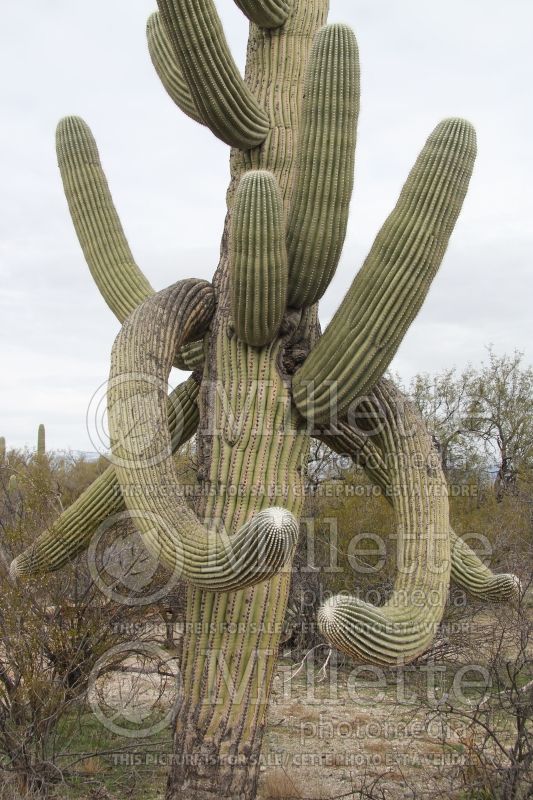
(264, 380)
(41, 441)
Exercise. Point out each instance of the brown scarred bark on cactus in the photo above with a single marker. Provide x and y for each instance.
(262, 375)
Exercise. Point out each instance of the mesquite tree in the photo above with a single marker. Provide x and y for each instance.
(263, 378)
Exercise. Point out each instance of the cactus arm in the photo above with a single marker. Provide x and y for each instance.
(220, 94)
(325, 165)
(2, 449)
(101, 236)
(140, 364)
(258, 259)
(404, 627)
(190, 356)
(72, 532)
(366, 331)
(472, 575)
(266, 13)
(168, 68)
(467, 570)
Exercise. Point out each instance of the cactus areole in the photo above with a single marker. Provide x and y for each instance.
(263, 378)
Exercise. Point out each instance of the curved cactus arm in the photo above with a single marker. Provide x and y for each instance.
(191, 356)
(168, 68)
(140, 364)
(325, 165)
(221, 96)
(467, 569)
(472, 575)
(72, 532)
(366, 331)
(266, 13)
(101, 236)
(258, 259)
(404, 627)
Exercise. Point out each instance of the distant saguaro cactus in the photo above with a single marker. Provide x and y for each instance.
(264, 379)
(41, 441)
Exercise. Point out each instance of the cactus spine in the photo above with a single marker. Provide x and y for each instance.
(256, 403)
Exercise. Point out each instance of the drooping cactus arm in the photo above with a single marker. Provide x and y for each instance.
(222, 98)
(467, 569)
(140, 364)
(404, 627)
(325, 165)
(71, 534)
(101, 236)
(168, 68)
(363, 336)
(258, 259)
(266, 13)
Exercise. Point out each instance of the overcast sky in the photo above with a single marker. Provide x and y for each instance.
(421, 61)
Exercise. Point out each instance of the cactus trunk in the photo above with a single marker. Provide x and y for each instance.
(292, 124)
(231, 641)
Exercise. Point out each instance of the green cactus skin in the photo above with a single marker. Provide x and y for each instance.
(2, 449)
(258, 259)
(364, 335)
(41, 441)
(266, 13)
(254, 415)
(140, 363)
(168, 68)
(472, 575)
(405, 626)
(467, 570)
(325, 167)
(71, 534)
(102, 239)
(221, 96)
(190, 357)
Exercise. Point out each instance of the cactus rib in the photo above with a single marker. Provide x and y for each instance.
(389, 290)
(100, 233)
(467, 570)
(266, 13)
(258, 259)
(140, 363)
(404, 627)
(190, 356)
(325, 167)
(168, 68)
(222, 98)
(71, 534)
